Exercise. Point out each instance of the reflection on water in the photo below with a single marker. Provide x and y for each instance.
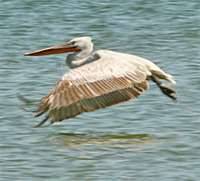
(72, 139)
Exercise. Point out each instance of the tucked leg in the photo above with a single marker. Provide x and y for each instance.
(165, 88)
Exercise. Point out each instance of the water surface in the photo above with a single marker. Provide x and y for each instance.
(149, 138)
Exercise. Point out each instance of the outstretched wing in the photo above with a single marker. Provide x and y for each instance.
(109, 80)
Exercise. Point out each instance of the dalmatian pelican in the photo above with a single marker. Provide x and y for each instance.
(96, 80)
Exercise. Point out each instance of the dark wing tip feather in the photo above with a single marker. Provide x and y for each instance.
(42, 122)
(27, 101)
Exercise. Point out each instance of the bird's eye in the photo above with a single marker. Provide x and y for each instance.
(73, 42)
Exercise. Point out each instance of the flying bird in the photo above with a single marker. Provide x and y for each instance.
(96, 80)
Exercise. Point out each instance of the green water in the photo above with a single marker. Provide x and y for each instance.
(149, 138)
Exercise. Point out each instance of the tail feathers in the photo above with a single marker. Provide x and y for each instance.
(162, 75)
(170, 78)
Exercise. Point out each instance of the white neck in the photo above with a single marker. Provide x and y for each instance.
(79, 58)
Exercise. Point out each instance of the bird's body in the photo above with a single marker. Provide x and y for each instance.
(97, 80)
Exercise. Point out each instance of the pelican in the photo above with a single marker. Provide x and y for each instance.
(96, 80)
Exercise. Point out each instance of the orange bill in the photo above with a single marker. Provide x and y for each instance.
(62, 48)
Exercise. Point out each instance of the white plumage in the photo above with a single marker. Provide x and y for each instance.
(97, 80)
